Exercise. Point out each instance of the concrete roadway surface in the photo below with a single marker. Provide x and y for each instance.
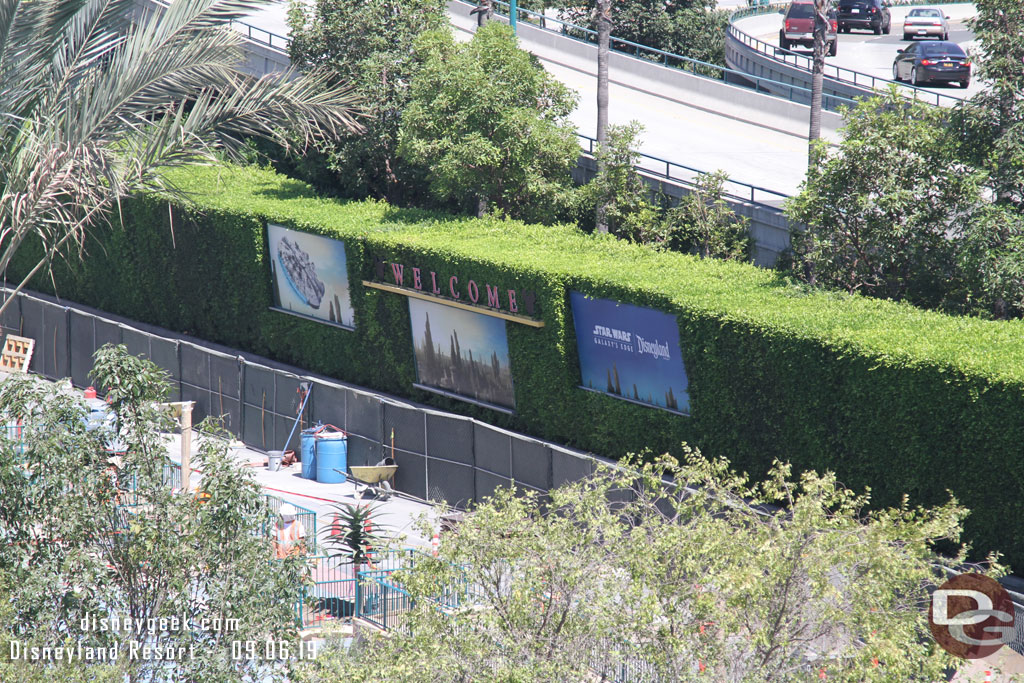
(702, 132)
(706, 135)
(867, 53)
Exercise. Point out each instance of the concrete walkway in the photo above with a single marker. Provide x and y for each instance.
(396, 518)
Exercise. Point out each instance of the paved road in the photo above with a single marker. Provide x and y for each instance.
(693, 137)
(677, 127)
(867, 53)
(707, 135)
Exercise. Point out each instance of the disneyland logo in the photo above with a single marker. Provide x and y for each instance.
(652, 348)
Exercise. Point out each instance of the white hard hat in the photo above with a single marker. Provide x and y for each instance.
(288, 510)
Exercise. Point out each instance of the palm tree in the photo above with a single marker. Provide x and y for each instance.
(604, 32)
(96, 98)
(821, 8)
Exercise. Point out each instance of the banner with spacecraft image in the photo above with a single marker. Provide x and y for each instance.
(310, 276)
(462, 352)
(630, 352)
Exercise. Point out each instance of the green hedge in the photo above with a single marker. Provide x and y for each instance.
(886, 395)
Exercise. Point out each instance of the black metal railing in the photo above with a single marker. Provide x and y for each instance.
(688, 176)
(766, 86)
(832, 72)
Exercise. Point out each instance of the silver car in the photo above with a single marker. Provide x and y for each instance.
(926, 21)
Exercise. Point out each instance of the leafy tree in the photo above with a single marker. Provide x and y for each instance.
(702, 223)
(880, 211)
(619, 188)
(993, 120)
(692, 28)
(368, 43)
(990, 259)
(93, 530)
(96, 100)
(491, 124)
(676, 572)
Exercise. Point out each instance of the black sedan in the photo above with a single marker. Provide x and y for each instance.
(940, 62)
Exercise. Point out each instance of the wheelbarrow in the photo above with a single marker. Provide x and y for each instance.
(372, 476)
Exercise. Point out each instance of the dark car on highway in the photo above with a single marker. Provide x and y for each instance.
(871, 15)
(798, 27)
(923, 62)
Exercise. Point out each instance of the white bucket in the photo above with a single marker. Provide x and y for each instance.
(274, 460)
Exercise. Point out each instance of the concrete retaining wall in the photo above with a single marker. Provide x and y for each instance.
(260, 59)
(745, 58)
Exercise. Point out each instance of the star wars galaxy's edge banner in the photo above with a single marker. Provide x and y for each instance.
(310, 276)
(630, 352)
(462, 352)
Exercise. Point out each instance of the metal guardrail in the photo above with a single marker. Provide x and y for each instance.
(341, 591)
(1017, 644)
(253, 33)
(259, 35)
(765, 86)
(663, 168)
(832, 72)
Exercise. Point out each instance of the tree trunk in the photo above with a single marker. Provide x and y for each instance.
(481, 206)
(817, 76)
(604, 32)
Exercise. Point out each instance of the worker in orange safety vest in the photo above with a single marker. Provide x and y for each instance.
(289, 536)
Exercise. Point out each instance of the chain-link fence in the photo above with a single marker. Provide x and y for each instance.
(440, 456)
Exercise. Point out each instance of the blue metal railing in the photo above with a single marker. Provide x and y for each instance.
(381, 602)
(305, 516)
(332, 594)
(832, 72)
(172, 475)
(663, 168)
(341, 591)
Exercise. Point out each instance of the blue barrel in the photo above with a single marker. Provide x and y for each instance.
(331, 457)
(99, 413)
(308, 453)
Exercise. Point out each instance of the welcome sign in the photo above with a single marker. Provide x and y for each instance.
(630, 352)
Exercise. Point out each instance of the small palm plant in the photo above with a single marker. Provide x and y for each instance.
(353, 537)
(353, 534)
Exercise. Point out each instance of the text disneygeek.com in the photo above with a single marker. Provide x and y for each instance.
(145, 649)
(133, 650)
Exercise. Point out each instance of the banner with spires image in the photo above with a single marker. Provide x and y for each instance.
(630, 352)
(310, 276)
(462, 352)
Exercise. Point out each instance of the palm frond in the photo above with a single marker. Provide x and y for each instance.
(94, 101)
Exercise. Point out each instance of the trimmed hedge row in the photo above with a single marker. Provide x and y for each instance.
(887, 396)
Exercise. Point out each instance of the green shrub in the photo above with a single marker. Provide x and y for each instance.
(886, 395)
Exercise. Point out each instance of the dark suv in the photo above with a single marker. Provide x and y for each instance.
(872, 15)
(798, 27)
